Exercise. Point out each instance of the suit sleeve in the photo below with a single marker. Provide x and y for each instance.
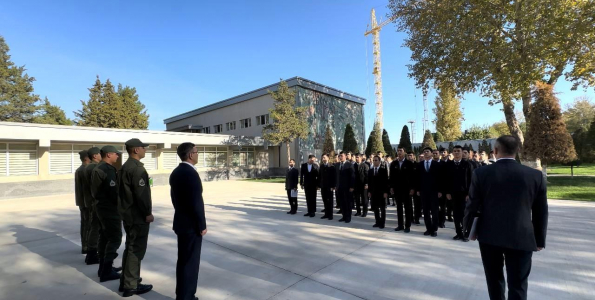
(475, 199)
(366, 174)
(302, 175)
(469, 175)
(540, 214)
(333, 176)
(352, 177)
(197, 205)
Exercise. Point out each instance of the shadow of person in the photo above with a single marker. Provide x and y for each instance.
(59, 251)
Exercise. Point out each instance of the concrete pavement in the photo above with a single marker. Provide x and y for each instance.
(254, 250)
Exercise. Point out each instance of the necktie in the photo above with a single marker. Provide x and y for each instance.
(375, 171)
(341, 167)
(427, 165)
(458, 162)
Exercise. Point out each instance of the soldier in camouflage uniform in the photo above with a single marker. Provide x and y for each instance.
(93, 224)
(135, 207)
(104, 189)
(80, 198)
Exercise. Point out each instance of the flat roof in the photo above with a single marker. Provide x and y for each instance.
(294, 81)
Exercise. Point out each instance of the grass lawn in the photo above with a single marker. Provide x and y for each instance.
(584, 169)
(567, 188)
(271, 180)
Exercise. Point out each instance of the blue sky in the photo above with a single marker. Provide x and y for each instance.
(181, 55)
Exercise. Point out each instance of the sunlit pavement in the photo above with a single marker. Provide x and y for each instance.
(254, 250)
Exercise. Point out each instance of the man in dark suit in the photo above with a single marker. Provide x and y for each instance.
(444, 159)
(458, 175)
(361, 180)
(189, 220)
(401, 186)
(309, 183)
(512, 203)
(429, 188)
(327, 178)
(416, 198)
(345, 187)
(378, 191)
(337, 163)
(291, 184)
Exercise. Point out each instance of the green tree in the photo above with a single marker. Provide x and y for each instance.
(590, 142)
(439, 137)
(349, 142)
(18, 103)
(388, 148)
(289, 121)
(108, 108)
(500, 128)
(579, 114)
(405, 140)
(51, 114)
(581, 144)
(377, 139)
(484, 146)
(499, 49)
(451, 146)
(428, 141)
(547, 137)
(448, 112)
(329, 145)
(368, 150)
(476, 132)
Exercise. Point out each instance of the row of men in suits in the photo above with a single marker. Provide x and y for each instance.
(431, 185)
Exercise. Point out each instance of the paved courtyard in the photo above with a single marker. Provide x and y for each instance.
(254, 250)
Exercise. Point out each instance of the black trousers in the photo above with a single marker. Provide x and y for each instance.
(449, 208)
(442, 210)
(361, 200)
(416, 208)
(327, 200)
(337, 198)
(458, 204)
(379, 207)
(429, 201)
(311, 192)
(403, 199)
(346, 200)
(84, 226)
(518, 267)
(292, 202)
(189, 245)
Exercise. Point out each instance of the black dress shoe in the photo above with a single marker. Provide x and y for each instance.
(121, 288)
(312, 215)
(375, 225)
(323, 210)
(140, 289)
(450, 220)
(324, 217)
(407, 230)
(289, 212)
(337, 206)
(381, 226)
(307, 215)
(456, 237)
(293, 213)
(357, 214)
(427, 233)
(83, 251)
(340, 212)
(442, 226)
(330, 218)
(434, 234)
(364, 215)
(347, 222)
(465, 239)
(399, 228)
(341, 220)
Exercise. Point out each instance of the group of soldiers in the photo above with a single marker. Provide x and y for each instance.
(436, 185)
(107, 199)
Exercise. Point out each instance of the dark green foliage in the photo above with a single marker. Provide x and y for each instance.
(349, 141)
(368, 150)
(329, 145)
(51, 114)
(388, 148)
(428, 141)
(476, 132)
(450, 147)
(405, 140)
(108, 108)
(439, 137)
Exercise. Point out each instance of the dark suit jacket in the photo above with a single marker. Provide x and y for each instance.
(186, 196)
(291, 179)
(432, 181)
(378, 184)
(402, 178)
(346, 176)
(512, 199)
(309, 179)
(327, 176)
(361, 175)
(458, 177)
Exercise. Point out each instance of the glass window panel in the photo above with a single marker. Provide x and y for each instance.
(12, 146)
(221, 149)
(2, 163)
(201, 159)
(150, 161)
(221, 159)
(211, 159)
(235, 159)
(22, 163)
(243, 157)
(210, 148)
(170, 160)
(250, 158)
(2, 146)
(61, 147)
(60, 162)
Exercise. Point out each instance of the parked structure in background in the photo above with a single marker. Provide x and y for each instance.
(244, 115)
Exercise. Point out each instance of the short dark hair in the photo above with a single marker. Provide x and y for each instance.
(379, 152)
(508, 144)
(491, 151)
(342, 152)
(458, 147)
(400, 147)
(357, 154)
(466, 149)
(291, 159)
(311, 156)
(442, 149)
(388, 156)
(323, 155)
(427, 148)
(184, 150)
(377, 157)
(349, 152)
(103, 154)
(129, 149)
(410, 152)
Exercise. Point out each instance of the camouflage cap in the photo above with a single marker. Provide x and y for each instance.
(135, 143)
(110, 149)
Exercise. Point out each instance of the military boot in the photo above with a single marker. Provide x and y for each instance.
(100, 269)
(107, 273)
(91, 257)
(140, 289)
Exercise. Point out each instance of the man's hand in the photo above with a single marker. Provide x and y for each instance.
(385, 195)
(448, 197)
(418, 194)
(295, 189)
(318, 188)
(351, 190)
(365, 187)
(333, 189)
(439, 195)
(411, 192)
(149, 219)
(369, 195)
(392, 191)
(539, 248)
(467, 198)
(202, 233)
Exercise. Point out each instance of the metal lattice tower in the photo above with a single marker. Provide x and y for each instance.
(426, 119)
(412, 128)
